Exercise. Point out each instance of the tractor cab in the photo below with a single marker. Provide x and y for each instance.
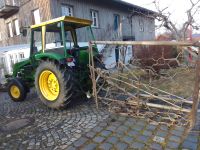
(58, 37)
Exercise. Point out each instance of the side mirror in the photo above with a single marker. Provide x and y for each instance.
(23, 31)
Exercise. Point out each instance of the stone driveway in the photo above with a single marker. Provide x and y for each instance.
(31, 125)
(123, 133)
(47, 128)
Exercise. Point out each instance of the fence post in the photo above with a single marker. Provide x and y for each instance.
(195, 96)
(92, 72)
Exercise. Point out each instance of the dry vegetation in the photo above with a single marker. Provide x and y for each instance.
(180, 81)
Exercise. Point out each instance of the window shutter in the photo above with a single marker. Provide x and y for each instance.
(36, 14)
(17, 30)
(10, 30)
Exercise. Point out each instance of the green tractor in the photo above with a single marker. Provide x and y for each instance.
(57, 66)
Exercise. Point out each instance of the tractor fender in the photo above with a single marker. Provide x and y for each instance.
(51, 56)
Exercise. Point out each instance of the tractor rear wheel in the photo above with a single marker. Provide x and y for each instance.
(53, 85)
(17, 90)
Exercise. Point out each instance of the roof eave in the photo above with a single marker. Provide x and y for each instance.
(136, 7)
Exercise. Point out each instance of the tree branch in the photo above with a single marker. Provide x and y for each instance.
(164, 18)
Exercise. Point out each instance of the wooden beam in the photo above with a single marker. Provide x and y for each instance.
(195, 96)
(159, 43)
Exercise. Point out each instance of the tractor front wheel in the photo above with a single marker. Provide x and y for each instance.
(53, 85)
(17, 90)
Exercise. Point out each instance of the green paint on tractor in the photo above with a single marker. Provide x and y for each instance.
(58, 73)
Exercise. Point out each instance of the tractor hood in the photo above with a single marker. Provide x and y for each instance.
(19, 65)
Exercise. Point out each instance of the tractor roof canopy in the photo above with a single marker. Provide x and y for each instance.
(69, 22)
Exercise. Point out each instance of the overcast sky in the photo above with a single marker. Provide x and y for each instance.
(176, 7)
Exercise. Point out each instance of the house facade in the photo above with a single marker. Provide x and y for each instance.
(112, 20)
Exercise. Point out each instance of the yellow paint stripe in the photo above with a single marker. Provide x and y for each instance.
(43, 38)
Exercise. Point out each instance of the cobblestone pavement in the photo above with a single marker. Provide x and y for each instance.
(81, 126)
(193, 139)
(47, 128)
(129, 133)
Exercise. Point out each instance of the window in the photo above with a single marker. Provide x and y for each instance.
(10, 30)
(67, 10)
(54, 39)
(151, 26)
(36, 16)
(116, 22)
(37, 41)
(141, 25)
(95, 18)
(16, 27)
(21, 56)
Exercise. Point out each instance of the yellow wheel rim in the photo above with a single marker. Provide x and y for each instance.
(49, 85)
(15, 91)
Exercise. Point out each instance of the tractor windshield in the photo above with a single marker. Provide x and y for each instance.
(73, 35)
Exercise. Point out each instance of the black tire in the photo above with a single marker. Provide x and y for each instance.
(64, 79)
(17, 90)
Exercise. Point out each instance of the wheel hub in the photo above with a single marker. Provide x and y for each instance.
(49, 85)
(53, 83)
(15, 91)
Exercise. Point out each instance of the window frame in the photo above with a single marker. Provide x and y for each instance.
(68, 7)
(92, 12)
(34, 43)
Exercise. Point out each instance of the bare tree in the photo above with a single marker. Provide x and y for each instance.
(165, 19)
